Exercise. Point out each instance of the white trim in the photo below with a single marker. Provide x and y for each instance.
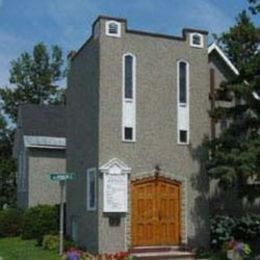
(129, 101)
(46, 142)
(115, 162)
(201, 45)
(215, 47)
(118, 34)
(183, 106)
(94, 172)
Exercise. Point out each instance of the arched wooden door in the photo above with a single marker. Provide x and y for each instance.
(155, 212)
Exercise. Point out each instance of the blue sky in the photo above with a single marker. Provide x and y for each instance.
(24, 23)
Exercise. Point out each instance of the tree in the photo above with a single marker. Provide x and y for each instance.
(7, 165)
(236, 152)
(254, 6)
(34, 79)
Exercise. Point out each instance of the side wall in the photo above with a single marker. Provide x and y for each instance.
(156, 124)
(41, 162)
(82, 141)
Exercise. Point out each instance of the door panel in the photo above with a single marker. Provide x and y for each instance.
(155, 212)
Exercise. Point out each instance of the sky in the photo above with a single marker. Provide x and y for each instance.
(67, 23)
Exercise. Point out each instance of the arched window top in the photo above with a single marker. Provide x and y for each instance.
(129, 75)
(183, 81)
(113, 28)
(196, 40)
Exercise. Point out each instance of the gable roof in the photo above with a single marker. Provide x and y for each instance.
(43, 120)
(215, 47)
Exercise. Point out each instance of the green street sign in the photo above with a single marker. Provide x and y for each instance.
(62, 176)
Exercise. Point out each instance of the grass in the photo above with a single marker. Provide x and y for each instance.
(17, 249)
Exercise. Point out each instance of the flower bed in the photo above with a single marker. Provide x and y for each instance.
(76, 254)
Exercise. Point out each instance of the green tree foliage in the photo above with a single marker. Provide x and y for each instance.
(7, 165)
(33, 79)
(236, 152)
(254, 6)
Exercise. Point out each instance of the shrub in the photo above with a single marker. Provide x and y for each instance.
(247, 228)
(223, 228)
(39, 221)
(11, 222)
(50, 242)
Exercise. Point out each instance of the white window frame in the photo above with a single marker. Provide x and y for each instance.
(183, 106)
(118, 34)
(129, 101)
(201, 45)
(88, 194)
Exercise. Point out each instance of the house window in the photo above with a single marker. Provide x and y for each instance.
(91, 189)
(22, 170)
(128, 133)
(183, 114)
(183, 82)
(128, 92)
(183, 136)
(113, 28)
(196, 40)
(128, 76)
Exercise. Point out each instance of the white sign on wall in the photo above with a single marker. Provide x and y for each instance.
(115, 192)
(115, 186)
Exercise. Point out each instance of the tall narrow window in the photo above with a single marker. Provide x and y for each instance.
(183, 114)
(183, 82)
(128, 76)
(91, 189)
(129, 89)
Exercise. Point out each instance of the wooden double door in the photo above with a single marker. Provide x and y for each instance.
(155, 212)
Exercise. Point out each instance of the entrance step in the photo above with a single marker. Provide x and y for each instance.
(161, 252)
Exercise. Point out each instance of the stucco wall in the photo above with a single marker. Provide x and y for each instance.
(41, 162)
(82, 141)
(156, 115)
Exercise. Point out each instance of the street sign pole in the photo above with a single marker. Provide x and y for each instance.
(62, 177)
(62, 187)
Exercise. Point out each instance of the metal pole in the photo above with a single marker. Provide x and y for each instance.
(62, 186)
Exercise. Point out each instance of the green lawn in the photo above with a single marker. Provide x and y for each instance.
(17, 249)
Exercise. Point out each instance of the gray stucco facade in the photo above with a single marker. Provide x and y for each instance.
(39, 149)
(38, 188)
(95, 112)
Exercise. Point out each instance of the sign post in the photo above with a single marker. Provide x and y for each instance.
(62, 178)
(62, 187)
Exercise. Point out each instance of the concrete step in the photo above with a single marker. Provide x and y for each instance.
(161, 252)
(147, 249)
